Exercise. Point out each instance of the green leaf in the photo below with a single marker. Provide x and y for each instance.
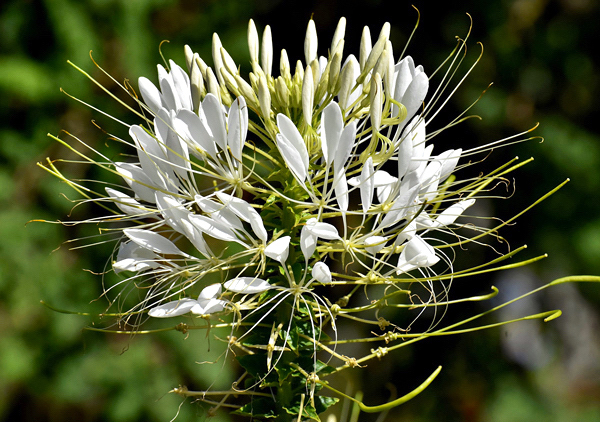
(261, 407)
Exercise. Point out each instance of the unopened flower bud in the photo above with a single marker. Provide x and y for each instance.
(338, 35)
(310, 42)
(266, 56)
(253, 42)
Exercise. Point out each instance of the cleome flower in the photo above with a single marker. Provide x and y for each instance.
(286, 188)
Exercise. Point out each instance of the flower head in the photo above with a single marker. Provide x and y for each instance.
(324, 173)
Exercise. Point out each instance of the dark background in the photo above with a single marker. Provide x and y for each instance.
(540, 56)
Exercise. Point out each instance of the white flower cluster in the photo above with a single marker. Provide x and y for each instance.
(333, 160)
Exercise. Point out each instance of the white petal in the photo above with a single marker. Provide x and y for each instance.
(332, 124)
(125, 203)
(415, 94)
(449, 160)
(400, 208)
(181, 85)
(292, 158)
(195, 236)
(416, 254)
(173, 309)
(416, 137)
(341, 192)
(408, 232)
(249, 285)
(137, 180)
(246, 212)
(208, 306)
(237, 124)
(198, 130)
(219, 212)
(172, 210)
(213, 228)
(450, 214)
(344, 147)
(151, 95)
(153, 241)
(405, 151)
(279, 249)
(374, 244)
(167, 87)
(132, 257)
(215, 120)
(321, 273)
(308, 242)
(177, 155)
(210, 292)
(322, 230)
(367, 185)
(290, 132)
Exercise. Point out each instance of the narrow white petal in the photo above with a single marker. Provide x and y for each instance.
(308, 242)
(151, 95)
(181, 85)
(344, 148)
(449, 160)
(219, 212)
(133, 257)
(167, 88)
(341, 192)
(332, 124)
(171, 210)
(405, 152)
(288, 130)
(178, 158)
(400, 208)
(173, 309)
(137, 180)
(153, 241)
(215, 120)
(367, 185)
(450, 214)
(322, 230)
(246, 212)
(292, 158)
(199, 132)
(213, 228)
(248, 285)
(408, 232)
(237, 123)
(195, 236)
(125, 203)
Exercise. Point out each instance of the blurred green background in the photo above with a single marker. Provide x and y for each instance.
(540, 55)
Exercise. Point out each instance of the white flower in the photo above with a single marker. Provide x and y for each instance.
(416, 254)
